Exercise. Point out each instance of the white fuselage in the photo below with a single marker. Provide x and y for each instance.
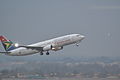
(56, 43)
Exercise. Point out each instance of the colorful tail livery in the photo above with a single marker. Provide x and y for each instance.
(8, 45)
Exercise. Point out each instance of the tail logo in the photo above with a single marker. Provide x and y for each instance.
(7, 45)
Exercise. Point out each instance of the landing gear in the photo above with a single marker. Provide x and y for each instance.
(41, 53)
(77, 44)
(47, 53)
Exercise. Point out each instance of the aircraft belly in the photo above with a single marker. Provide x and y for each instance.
(23, 52)
(28, 52)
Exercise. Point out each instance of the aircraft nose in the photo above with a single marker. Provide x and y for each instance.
(82, 36)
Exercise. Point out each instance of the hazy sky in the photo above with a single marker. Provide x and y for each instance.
(30, 21)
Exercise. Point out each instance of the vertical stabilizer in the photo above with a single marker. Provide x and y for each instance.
(7, 44)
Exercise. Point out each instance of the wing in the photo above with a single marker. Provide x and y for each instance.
(33, 48)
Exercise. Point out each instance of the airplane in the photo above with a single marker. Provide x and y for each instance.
(55, 44)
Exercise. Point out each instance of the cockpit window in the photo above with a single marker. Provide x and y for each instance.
(78, 35)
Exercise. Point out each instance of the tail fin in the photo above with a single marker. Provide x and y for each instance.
(7, 44)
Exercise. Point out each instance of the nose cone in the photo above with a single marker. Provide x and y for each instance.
(82, 36)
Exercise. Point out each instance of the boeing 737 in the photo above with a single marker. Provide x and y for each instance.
(55, 44)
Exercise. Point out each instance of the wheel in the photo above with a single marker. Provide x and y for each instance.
(41, 53)
(47, 53)
(77, 44)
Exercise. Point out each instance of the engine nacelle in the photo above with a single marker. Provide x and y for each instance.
(50, 47)
(56, 48)
(47, 48)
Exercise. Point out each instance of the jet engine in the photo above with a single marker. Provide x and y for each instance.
(50, 47)
(56, 48)
(47, 48)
